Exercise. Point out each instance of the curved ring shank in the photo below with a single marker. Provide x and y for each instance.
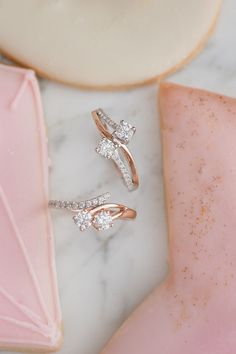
(118, 211)
(123, 159)
(102, 122)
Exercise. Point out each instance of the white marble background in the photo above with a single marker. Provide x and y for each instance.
(103, 278)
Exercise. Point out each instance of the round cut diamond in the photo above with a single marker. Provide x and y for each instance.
(74, 205)
(102, 220)
(106, 148)
(83, 219)
(124, 132)
(81, 205)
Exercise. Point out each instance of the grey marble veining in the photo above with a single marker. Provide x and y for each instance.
(103, 277)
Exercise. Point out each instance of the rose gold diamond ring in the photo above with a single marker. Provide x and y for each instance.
(95, 212)
(113, 145)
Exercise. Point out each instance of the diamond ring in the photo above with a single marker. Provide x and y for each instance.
(95, 212)
(113, 145)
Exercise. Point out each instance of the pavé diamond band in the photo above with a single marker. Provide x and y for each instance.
(113, 145)
(95, 212)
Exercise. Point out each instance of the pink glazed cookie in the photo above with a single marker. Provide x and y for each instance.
(30, 317)
(194, 310)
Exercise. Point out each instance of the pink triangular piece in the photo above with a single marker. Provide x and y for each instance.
(194, 310)
(29, 308)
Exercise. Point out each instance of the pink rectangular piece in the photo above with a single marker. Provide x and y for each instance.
(194, 310)
(30, 316)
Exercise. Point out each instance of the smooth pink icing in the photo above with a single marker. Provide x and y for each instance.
(194, 310)
(29, 308)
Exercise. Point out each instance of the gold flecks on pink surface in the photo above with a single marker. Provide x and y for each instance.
(194, 310)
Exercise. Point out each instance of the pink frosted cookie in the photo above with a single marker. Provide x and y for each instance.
(194, 310)
(30, 316)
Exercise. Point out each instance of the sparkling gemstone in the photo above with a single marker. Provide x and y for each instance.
(106, 148)
(102, 220)
(74, 205)
(81, 205)
(88, 203)
(95, 202)
(57, 204)
(124, 132)
(83, 219)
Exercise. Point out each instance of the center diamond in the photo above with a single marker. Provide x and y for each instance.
(124, 132)
(83, 219)
(106, 148)
(102, 220)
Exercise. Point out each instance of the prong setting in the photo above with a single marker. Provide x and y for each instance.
(106, 148)
(83, 219)
(124, 132)
(103, 220)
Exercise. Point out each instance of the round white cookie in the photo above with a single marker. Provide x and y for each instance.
(105, 43)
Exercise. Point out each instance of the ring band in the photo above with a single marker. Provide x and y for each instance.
(76, 206)
(113, 145)
(95, 212)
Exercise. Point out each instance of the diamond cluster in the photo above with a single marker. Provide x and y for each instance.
(106, 148)
(102, 220)
(124, 132)
(83, 219)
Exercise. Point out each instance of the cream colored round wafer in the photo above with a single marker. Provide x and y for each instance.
(106, 43)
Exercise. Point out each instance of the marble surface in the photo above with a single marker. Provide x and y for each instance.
(102, 278)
